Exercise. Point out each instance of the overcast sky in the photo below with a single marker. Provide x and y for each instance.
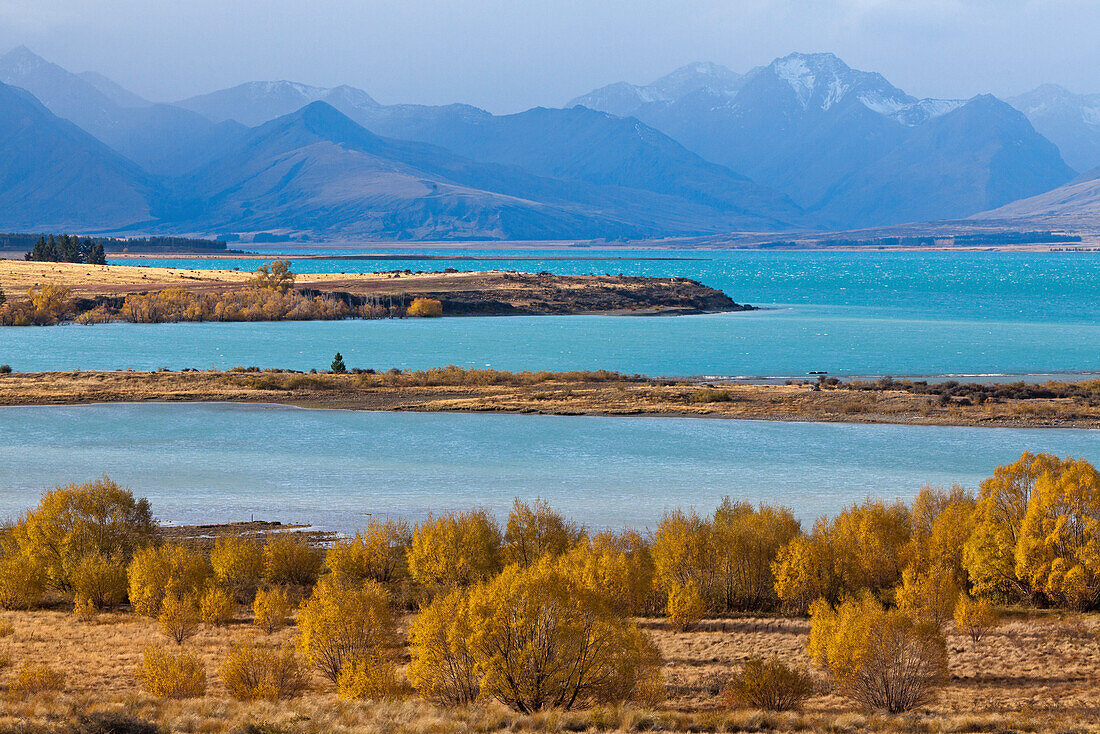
(508, 55)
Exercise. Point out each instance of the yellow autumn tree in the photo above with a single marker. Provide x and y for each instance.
(618, 564)
(989, 554)
(882, 659)
(456, 549)
(377, 554)
(444, 667)
(238, 565)
(170, 571)
(746, 542)
(534, 531)
(289, 560)
(99, 518)
(928, 595)
(341, 624)
(1058, 553)
(941, 521)
(683, 553)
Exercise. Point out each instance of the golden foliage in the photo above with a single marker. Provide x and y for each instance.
(178, 618)
(340, 624)
(747, 541)
(1058, 553)
(928, 595)
(99, 518)
(253, 673)
(217, 606)
(377, 554)
(275, 275)
(369, 678)
(170, 571)
(100, 581)
(975, 617)
(535, 532)
(989, 554)
(245, 304)
(537, 639)
(32, 679)
(83, 609)
(22, 581)
(271, 609)
(424, 307)
(683, 552)
(686, 606)
(174, 675)
(769, 684)
(456, 549)
(443, 666)
(880, 658)
(238, 565)
(619, 565)
(45, 304)
(290, 561)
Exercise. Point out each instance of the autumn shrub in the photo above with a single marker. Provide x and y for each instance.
(683, 552)
(882, 659)
(339, 624)
(685, 606)
(290, 560)
(271, 609)
(747, 540)
(619, 565)
(169, 571)
(99, 580)
(178, 618)
(535, 531)
(217, 606)
(72, 522)
(769, 684)
(535, 639)
(444, 667)
(1058, 552)
(424, 307)
(275, 275)
(369, 678)
(928, 595)
(975, 617)
(22, 581)
(169, 674)
(238, 565)
(456, 549)
(84, 610)
(377, 554)
(254, 672)
(989, 554)
(940, 522)
(34, 678)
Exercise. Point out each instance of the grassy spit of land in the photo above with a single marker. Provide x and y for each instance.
(452, 389)
(461, 293)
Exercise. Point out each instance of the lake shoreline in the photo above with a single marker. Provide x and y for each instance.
(574, 394)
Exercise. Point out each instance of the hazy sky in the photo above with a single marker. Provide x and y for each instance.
(508, 55)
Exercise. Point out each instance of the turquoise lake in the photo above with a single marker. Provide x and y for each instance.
(870, 313)
(335, 469)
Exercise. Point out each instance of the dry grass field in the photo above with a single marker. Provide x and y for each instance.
(1037, 673)
(550, 393)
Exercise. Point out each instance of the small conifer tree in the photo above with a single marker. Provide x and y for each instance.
(338, 366)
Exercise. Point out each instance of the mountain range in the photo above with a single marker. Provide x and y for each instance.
(805, 142)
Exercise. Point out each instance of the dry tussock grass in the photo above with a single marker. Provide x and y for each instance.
(1034, 673)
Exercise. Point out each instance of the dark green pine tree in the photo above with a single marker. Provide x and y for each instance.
(338, 365)
(97, 256)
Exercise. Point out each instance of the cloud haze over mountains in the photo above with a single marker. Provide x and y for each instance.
(801, 142)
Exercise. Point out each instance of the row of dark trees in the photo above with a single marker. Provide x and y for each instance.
(67, 248)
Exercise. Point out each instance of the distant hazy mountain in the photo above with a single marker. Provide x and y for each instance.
(1071, 121)
(161, 138)
(255, 103)
(624, 99)
(55, 176)
(316, 170)
(837, 140)
(580, 144)
(979, 156)
(1072, 206)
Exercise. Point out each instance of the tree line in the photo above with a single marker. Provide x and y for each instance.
(67, 249)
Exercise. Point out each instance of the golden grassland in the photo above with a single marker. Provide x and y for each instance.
(1036, 672)
(570, 393)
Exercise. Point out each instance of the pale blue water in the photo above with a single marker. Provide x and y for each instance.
(213, 463)
(869, 313)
